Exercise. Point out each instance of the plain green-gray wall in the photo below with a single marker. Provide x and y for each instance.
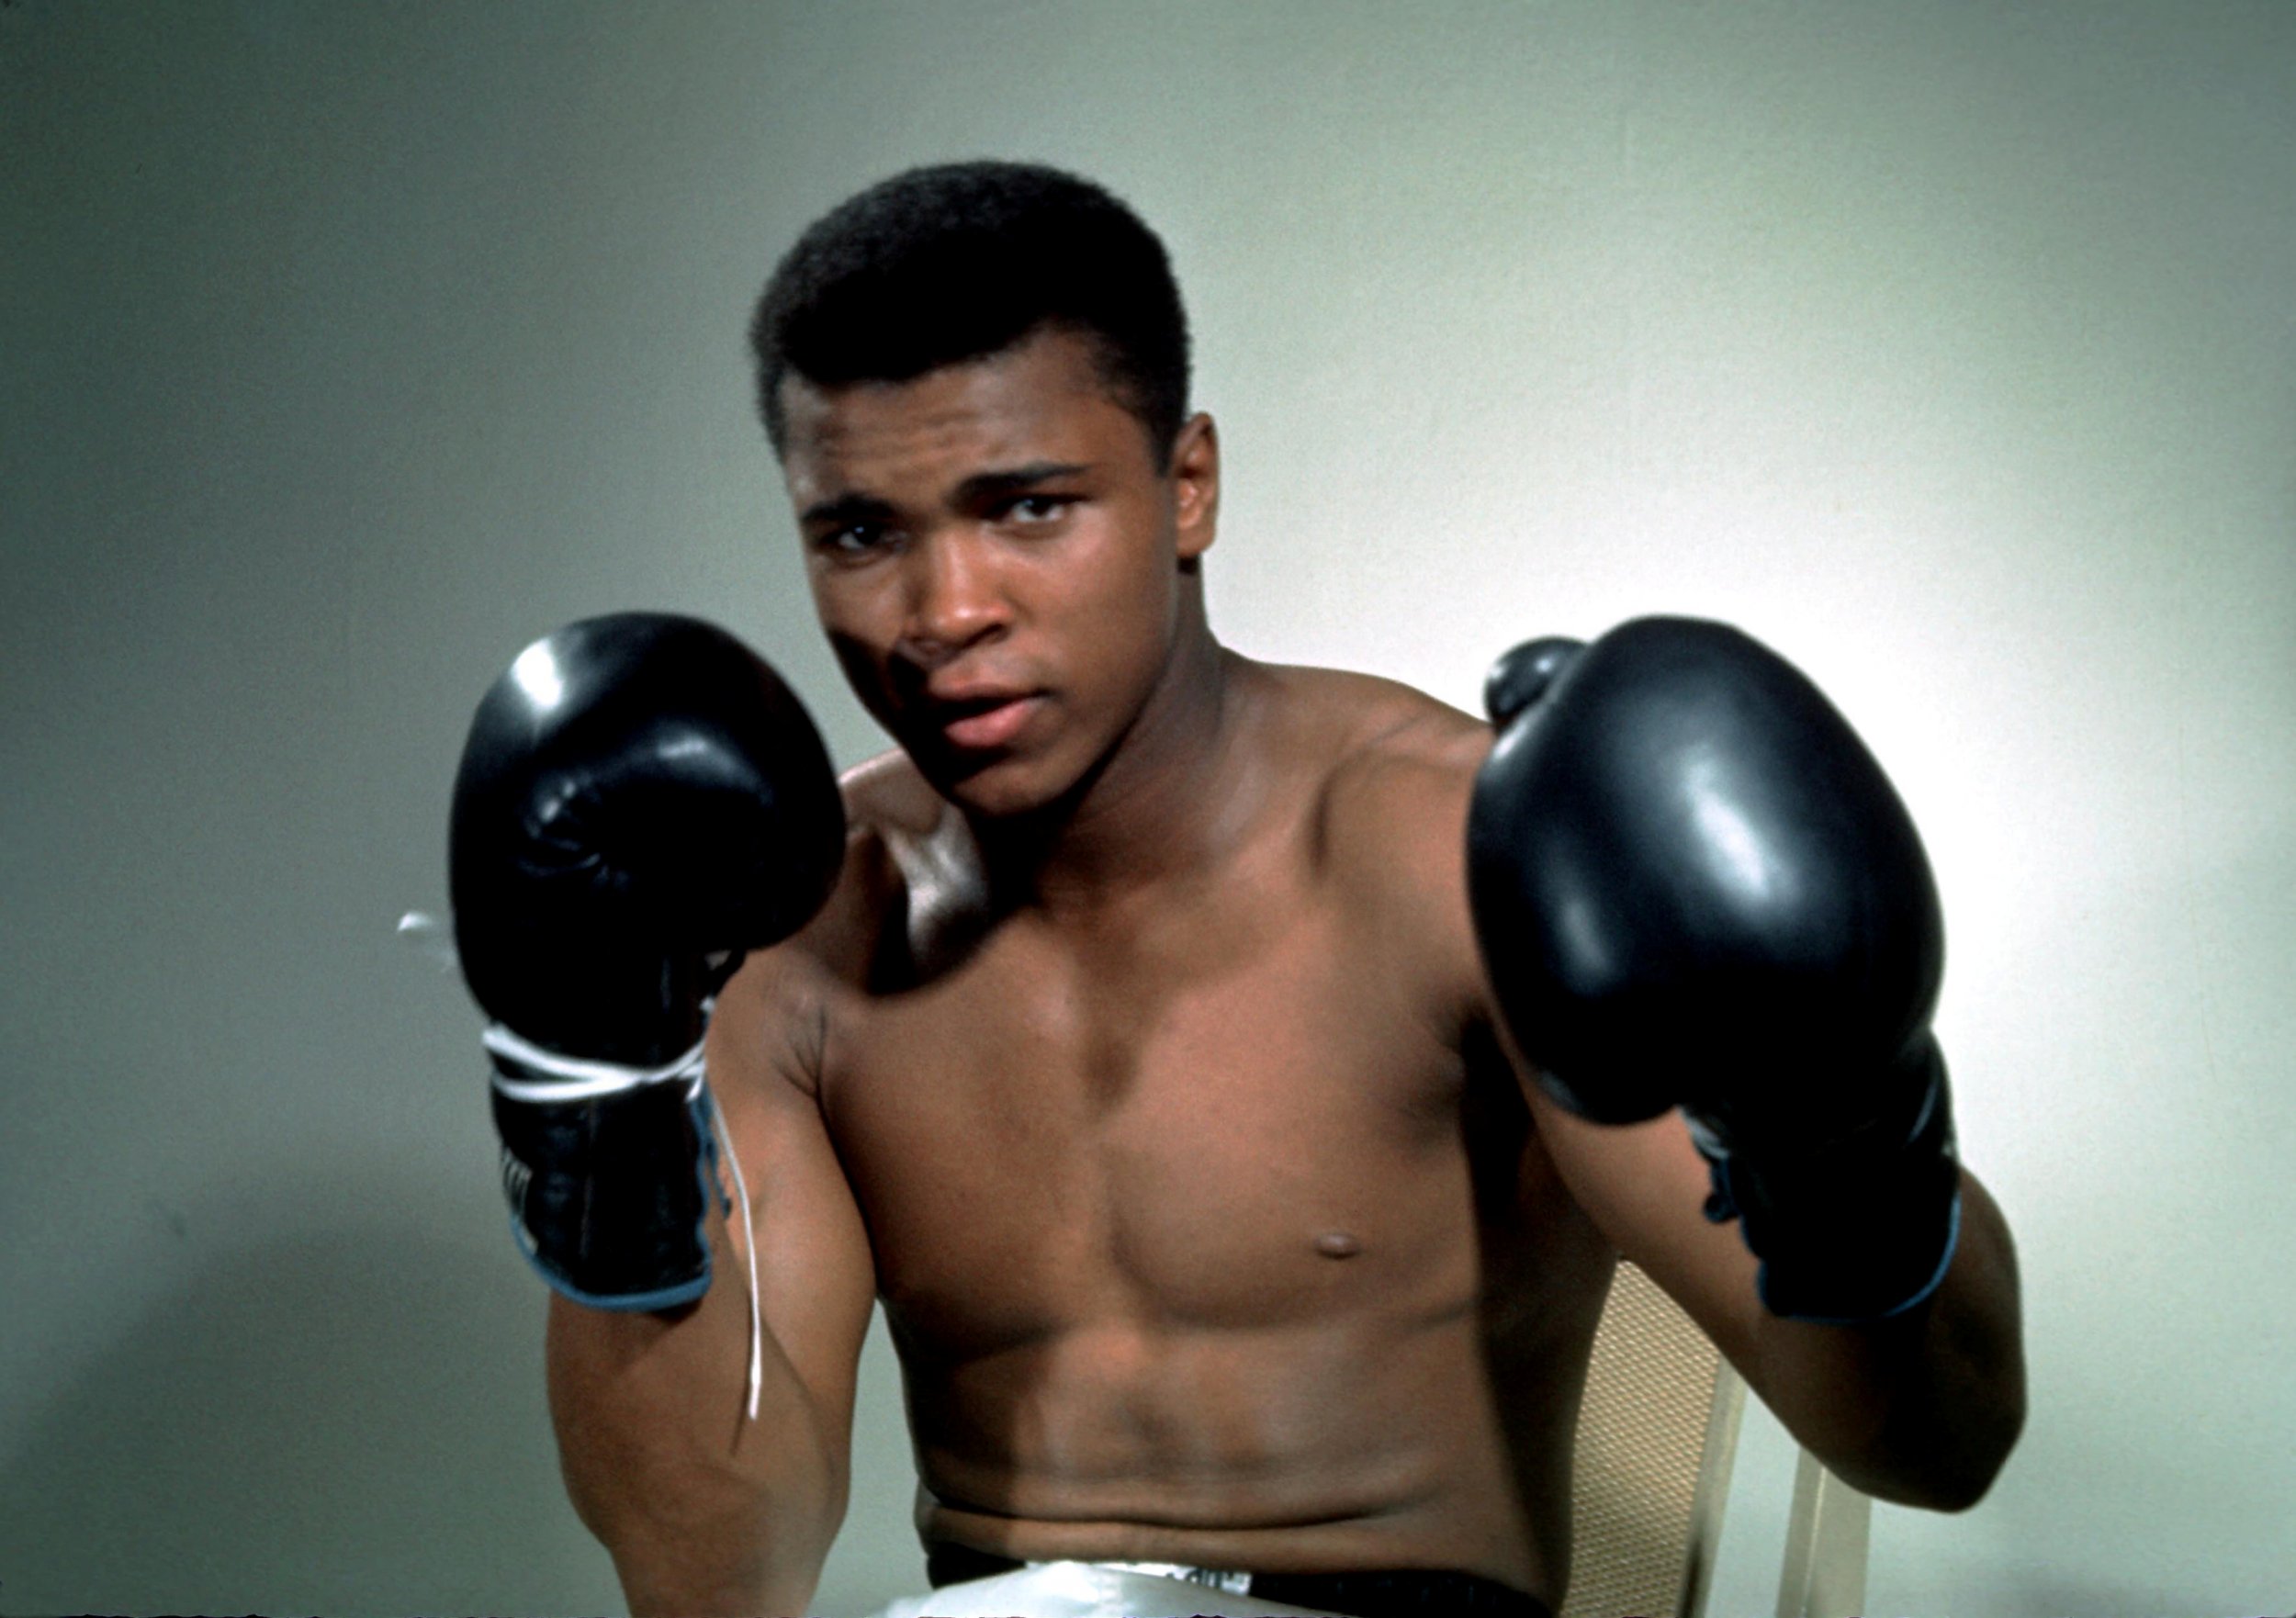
(345, 348)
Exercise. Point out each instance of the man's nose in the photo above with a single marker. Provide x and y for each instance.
(955, 595)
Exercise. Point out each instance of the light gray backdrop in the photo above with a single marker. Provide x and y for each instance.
(1949, 347)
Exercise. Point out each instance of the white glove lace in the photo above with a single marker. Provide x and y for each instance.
(567, 1078)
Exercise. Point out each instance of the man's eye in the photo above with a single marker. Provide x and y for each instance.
(855, 539)
(1038, 508)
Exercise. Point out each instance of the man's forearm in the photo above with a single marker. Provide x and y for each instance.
(704, 1510)
(1924, 1409)
(760, 1561)
(730, 1539)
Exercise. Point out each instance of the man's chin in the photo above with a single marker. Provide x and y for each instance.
(991, 787)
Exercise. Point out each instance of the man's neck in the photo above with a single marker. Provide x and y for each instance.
(1173, 796)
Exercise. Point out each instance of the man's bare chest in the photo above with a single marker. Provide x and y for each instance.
(1231, 1117)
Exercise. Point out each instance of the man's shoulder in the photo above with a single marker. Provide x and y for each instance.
(1385, 752)
(886, 796)
(1389, 769)
(912, 881)
(887, 806)
(778, 999)
(1394, 773)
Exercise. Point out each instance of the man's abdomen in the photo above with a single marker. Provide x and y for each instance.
(1351, 1442)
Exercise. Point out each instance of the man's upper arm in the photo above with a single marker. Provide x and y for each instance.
(1645, 1187)
(815, 1278)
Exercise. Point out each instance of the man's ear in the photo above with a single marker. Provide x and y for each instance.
(1196, 479)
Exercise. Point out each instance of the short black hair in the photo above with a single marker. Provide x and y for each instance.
(957, 262)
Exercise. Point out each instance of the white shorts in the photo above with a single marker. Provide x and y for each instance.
(1085, 1590)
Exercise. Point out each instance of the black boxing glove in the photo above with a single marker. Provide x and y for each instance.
(640, 801)
(1693, 885)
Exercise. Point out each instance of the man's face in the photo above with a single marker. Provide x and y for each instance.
(997, 557)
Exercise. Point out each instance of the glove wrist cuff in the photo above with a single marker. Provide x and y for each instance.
(1862, 1231)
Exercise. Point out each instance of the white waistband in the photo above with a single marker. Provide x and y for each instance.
(1092, 1589)
(1212, 1578)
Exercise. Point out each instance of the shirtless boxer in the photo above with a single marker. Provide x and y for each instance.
(1142, 1061)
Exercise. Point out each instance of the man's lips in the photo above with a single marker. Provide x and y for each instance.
(990, 720)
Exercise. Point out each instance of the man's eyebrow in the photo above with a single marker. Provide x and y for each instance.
(981, 487)
(847, 509)
(988, 486)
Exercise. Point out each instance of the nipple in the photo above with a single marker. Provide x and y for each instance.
(1337, 1245)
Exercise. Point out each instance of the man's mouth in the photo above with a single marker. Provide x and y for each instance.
(985, 722)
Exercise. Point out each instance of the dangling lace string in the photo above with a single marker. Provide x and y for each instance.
(749, 1252)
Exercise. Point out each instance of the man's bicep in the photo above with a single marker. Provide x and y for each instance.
(1645, 1187)
(814, 1277)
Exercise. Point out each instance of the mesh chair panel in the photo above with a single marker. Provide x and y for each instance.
(1657, 1393)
